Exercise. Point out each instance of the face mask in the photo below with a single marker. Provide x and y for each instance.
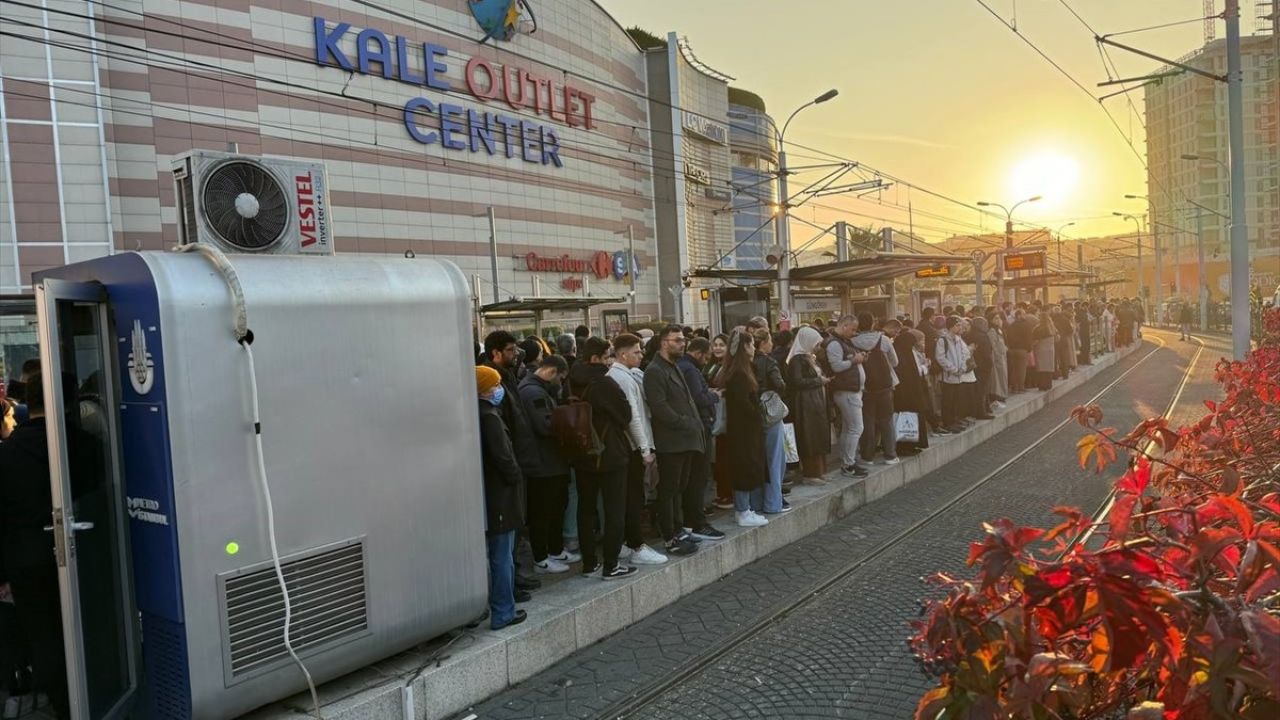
(498, 393)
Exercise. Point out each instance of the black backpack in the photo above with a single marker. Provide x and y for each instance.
(879, 373)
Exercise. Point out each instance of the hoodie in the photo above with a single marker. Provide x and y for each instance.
(866, 341)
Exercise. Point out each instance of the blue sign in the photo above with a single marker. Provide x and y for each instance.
(620, 265)
(500, 19)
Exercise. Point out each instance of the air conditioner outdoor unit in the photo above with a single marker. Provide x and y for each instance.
(257, 205)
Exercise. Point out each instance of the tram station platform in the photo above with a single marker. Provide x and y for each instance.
(441, 679)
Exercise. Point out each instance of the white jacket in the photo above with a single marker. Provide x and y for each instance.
(631, 380)
(952, 353)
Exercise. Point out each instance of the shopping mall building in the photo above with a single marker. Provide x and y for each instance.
(425, 115)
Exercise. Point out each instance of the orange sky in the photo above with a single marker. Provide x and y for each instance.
(939, 93)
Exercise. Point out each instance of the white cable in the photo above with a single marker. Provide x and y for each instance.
(240, 319)
(271, 530)
(245, 339)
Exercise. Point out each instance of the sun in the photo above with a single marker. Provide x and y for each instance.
(1049, 174)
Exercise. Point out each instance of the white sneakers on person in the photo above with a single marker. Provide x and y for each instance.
(997, 405)
(644, 555)
(749, 519)
(567, 557)
(550, 566)
(891, 461)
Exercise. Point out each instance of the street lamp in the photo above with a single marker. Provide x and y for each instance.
(1138, 227)
(1008, 237)
(1156, 250)
(1064, 227)
(781, 218)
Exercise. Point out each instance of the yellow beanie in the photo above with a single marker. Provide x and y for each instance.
(487, 379)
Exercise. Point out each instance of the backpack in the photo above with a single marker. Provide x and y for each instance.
(879, 374)
(573, 428)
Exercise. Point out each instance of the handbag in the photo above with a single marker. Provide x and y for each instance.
(773, 409)
(907, 426)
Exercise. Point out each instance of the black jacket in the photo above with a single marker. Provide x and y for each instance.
(769, 375)
(703, 398)
(502, 476)
(26, 500)
(610, 414)
(912, 391)
(522, 438)
(1019, 335)
(983, 357)
(538, 398)
(677, 423)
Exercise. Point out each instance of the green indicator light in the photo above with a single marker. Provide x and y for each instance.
(233, 548)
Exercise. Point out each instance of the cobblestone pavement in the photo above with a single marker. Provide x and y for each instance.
(843, 654)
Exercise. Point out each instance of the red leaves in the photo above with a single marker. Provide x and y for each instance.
(1178, 607)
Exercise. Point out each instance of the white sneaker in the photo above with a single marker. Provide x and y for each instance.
(646, 555)
(891, 461)
(624, 552)
(567, 557)
(999, 405)
(749, 519)
(550, 566)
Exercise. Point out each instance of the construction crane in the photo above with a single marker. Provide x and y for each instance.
(1210, 21)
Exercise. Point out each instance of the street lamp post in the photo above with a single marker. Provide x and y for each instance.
(1008, 238)
(1239, 246)
(1142, 298)
(1155, 250)
(782, 219)
(1064, 227)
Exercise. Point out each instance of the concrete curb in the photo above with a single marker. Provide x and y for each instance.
(578, 612)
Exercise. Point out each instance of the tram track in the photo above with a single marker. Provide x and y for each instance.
(689, 671)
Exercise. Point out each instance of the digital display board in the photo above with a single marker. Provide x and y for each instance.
(1024, 261)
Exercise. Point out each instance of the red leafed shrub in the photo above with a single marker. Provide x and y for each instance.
(1167, 608)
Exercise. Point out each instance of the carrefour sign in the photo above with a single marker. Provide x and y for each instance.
(371, 52)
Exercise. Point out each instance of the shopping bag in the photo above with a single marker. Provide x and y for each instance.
(789, 443)
(721, 421)
(907, 425)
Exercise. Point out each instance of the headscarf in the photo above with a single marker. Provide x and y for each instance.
(806, 340)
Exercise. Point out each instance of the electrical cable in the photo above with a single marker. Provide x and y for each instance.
(244, 338)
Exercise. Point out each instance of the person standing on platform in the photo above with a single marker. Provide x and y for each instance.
(627, 353)
(808, 403)
(842, 362)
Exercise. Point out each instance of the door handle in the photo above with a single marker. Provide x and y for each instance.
(75, 527)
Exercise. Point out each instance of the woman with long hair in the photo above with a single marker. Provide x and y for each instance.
(720, 471)
(808, 404)
(1044, 339)
(743, 438)
(769, 378)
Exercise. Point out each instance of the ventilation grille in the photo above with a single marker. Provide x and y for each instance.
(167, 691)
(327, 591)
(187, 228)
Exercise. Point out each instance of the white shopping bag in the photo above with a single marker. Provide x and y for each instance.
(789, 442)
(907, 425)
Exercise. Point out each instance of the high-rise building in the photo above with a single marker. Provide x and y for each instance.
(688, 112)
(754, 156)
(1188, 155)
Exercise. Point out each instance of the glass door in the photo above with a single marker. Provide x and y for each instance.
(77, 362)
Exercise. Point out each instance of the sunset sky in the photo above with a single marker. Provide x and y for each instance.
(939, 93)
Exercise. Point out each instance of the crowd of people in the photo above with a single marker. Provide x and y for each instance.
(582, 436)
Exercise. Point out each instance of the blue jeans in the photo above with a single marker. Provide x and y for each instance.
(502, 579)
(571, 509)
(744, 500)
(776, 452)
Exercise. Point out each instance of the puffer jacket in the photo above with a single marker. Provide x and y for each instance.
(953, 354)
(539, 398)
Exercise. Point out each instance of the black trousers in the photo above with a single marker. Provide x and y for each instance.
(877, 424)
(548, 497)
(694, 494)
(674, 473)
(39, 610)
(982, 399)
(632, 534)
(952, 403)
(610, 486)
